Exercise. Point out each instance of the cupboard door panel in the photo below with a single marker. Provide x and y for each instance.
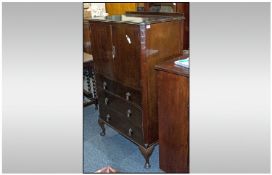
(102, 49)
(126, 41)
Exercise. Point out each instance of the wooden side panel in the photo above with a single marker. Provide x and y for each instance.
(126, 40)
(120, 8)
(180, 7)
(102, 48)
(173, 99)
(163, 40)
(162, 43)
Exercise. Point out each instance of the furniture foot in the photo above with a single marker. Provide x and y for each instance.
(102, 125)
(96, 105)
(146, 152)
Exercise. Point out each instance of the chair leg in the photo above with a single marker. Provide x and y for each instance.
(89, 75)
(89, 83)
(94, 90)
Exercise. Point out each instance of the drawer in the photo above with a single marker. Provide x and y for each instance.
(119, 122)
(128, 111)
(127, 93)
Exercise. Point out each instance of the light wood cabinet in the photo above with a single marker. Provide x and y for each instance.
(120, 8)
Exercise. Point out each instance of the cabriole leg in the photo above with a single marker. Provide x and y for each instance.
(102, 125)
(146, 152)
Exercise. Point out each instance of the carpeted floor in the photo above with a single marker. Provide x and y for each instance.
(112, 149)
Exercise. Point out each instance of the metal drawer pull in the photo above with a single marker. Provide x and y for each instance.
(128, 39)
(108, 118)
(130, 132)
(106, 101)
(104, 85)
(128, 113)
(128, 96)
(113, 52)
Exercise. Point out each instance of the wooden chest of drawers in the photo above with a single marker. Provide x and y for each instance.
(173, 110)
(125, 50)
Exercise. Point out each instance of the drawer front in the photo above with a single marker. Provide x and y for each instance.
(129, 94)
(121, 124)
(128, 111)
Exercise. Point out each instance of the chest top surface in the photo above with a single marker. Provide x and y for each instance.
(169, 66)
(134, 19)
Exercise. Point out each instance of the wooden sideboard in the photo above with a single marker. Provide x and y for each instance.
(125, 50)
(173, 110)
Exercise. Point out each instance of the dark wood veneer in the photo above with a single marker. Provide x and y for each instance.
(131, 112)
(119, 89)
(119, 122)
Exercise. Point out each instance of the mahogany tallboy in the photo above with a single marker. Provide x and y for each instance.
(173, 110)
(125, 50)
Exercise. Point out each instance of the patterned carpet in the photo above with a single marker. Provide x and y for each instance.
(112, 149)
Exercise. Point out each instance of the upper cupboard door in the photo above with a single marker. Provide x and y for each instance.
(126, 40)
(102, 48)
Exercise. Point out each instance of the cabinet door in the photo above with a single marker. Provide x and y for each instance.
(102, 49)
(126, 40)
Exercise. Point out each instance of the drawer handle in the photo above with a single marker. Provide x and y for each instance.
(130, 132)
(128, 113)
(106, 101)
(128, 96)
(104, 85)
(113, 52)
(108, 118)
